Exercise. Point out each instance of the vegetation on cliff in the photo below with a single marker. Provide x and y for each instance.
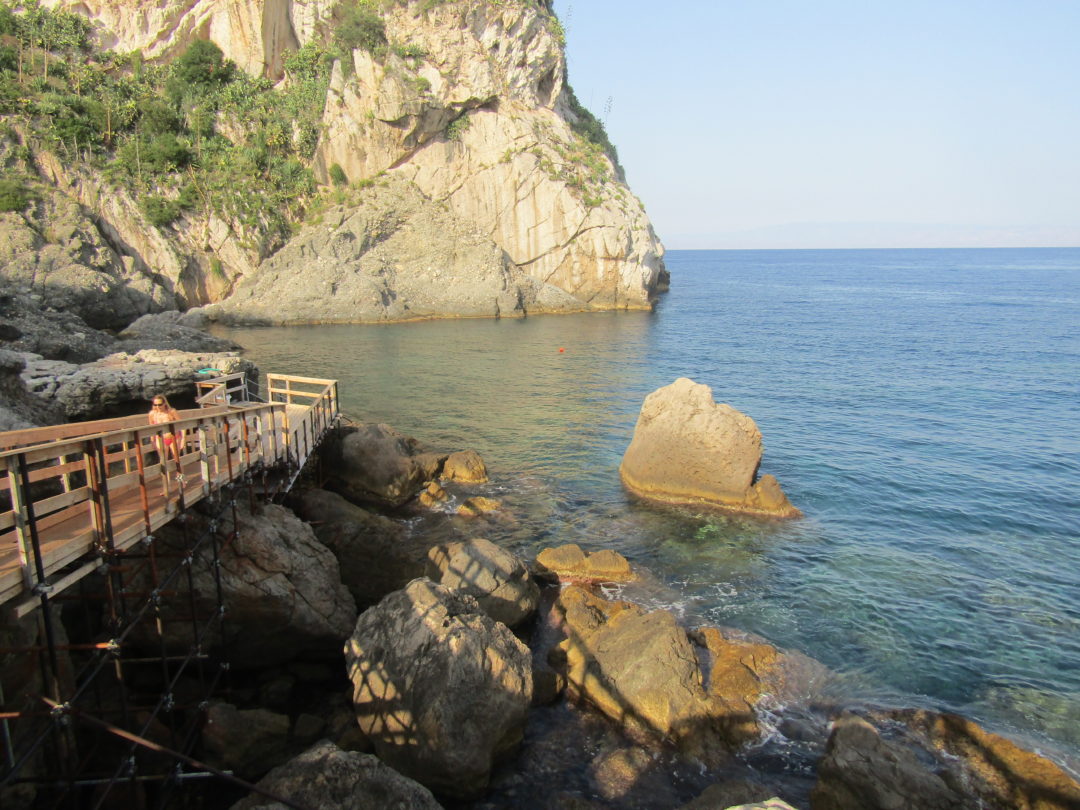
(195, 134)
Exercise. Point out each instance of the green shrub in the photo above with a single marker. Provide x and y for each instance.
(156, 117)
(361, 27)
(337, 175)
(456, 128)
(13, 195)
(160, 210)
(9, 59)
(590, 127)
(164, 153)
(203, 65)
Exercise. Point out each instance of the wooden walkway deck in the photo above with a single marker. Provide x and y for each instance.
(72, 494)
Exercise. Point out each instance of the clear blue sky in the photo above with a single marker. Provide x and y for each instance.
(839, 123)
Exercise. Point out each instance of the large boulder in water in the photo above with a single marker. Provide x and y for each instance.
(689, 449)
(699, 690)
(372, 463)
(440, 688)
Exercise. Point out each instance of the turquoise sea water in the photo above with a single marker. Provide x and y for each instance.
(922, 407)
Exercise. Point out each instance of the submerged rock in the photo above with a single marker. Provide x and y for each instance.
(440, 688)
(475, 507)
(688, 449)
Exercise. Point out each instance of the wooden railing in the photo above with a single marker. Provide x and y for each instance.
(75, 491)
(311, 409)
(222, 390)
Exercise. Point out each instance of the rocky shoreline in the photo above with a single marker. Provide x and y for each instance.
(373, 664)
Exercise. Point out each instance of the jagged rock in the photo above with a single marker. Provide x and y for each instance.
(474, 507)
(121, 381)
(996, 770)
(57, 255)
(465, 467)
(169, 330)
(247, 741)
(19, 408)
(440, 688)
(433, 495)
(281, 585)
(373, 463)
(376, 554)
(863, 771)
(504, 82)
(742, 670)
(639, 669)
(28, 328)
(328, 778)
(569, 562)
(688, 449)
(645, 672)
(498, 580)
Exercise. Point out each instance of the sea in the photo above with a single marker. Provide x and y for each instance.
(921, 407)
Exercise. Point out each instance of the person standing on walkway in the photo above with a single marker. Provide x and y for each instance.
(161, 412)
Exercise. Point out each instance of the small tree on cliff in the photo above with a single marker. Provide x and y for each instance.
(360, 27)
(201, 67)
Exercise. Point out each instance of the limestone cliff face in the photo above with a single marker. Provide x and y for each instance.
(477, 117)
(253, 33)
(494, 75)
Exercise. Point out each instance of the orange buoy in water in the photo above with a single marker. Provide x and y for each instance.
(561, 350)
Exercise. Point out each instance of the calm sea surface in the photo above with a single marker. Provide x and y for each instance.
(922, 407)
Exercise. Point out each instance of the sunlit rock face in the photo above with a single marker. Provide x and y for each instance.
(469, 104)
(441, 689)
(689, 449)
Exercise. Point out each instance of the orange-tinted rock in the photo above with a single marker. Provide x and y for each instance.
(571, 563)
(687, 449)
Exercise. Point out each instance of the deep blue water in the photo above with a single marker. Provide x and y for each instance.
(922, 407)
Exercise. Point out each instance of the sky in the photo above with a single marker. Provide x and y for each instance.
(839, 123)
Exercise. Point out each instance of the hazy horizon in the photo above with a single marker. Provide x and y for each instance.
(839, 124)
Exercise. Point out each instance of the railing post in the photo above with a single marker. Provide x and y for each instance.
(22, 529)
(204, 462)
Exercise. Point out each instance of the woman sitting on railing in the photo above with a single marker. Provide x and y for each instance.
(161, 412)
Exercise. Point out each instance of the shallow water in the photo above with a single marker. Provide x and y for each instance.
(920, 406)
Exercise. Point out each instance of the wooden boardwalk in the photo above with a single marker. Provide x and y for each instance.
(72, 494)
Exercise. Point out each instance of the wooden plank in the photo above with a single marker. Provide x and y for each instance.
(65, 522)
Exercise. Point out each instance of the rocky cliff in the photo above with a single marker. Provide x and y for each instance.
(457, 121)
